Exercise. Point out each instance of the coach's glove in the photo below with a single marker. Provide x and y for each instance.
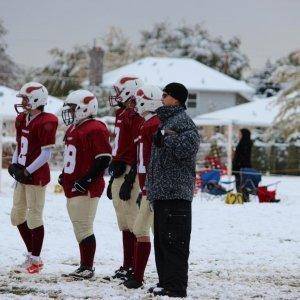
(117, 168)
(158, 138)
(108, 191)
(126, 187)
(19, 173)
(81, 185)
(60, 179)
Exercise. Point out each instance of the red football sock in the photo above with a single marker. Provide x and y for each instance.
(37, 240)
(87, 251)
(134, 251)
(26, 235)
(128, 249)
(142, 254)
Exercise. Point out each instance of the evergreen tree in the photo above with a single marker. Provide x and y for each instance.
(10, 73)
(194, 42)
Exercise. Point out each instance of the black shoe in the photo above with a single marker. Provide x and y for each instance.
(171, 294)
(122, 274)
(83, 273)
(157, 288)
(131, 283)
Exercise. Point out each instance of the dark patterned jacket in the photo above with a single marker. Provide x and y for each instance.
(171, 171)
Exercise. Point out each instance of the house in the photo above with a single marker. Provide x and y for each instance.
(209, 90)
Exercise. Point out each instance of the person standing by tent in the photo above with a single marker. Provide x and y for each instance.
(170, 186)
(242, 156)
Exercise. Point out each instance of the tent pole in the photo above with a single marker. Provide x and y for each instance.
(229, 148)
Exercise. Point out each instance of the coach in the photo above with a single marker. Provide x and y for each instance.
(170, 183)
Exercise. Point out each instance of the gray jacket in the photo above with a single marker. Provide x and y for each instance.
(171, 171)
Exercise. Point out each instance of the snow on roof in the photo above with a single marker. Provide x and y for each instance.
(8, 99)
(259, 113)
(193, 74)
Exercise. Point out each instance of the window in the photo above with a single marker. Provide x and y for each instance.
(192, 100)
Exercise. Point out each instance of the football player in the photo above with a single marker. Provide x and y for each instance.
(148, 99)
(87, 154)
(123, 187)
(35, 136)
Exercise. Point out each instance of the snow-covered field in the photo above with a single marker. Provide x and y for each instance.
(237, 252)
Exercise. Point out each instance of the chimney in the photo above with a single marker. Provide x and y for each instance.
(96, 65)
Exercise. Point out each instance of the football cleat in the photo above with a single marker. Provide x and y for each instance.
(131, 283)
(35, 267)
(121, 274)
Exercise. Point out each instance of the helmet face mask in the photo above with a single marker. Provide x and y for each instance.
(115, 96)
(68, 113)
(24, 106)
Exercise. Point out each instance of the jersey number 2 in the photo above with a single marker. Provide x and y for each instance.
(69, 159)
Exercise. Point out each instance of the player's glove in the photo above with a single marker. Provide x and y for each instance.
(60, 179)
(108, 191)
(19, 173)
(126, 187)
(81, 185)
(158, 138)
(117, 168)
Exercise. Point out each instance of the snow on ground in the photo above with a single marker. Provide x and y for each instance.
(237, 252)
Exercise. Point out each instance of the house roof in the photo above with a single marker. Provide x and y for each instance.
(259, 113)
(8, 99)
(193, 74)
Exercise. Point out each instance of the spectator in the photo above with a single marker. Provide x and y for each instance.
(242, 157)
(170, 186)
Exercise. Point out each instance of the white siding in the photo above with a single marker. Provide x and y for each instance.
(211, 101)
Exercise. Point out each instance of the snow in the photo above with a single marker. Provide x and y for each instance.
(259, 113)
(8, 99)
(194, 75)
(237, 252)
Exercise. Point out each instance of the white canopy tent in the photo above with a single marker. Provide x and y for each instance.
(259, 113)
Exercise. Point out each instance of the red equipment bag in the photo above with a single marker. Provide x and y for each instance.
(264, 195)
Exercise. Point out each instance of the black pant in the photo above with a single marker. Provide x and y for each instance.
(172, 233)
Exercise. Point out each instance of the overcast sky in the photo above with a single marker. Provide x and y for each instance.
(267, 28)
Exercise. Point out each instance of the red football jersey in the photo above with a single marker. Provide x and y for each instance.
(33, 135)
(145, 138)
(127, 126)
(84, 143)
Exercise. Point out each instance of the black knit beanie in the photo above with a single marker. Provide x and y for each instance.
(178, 91)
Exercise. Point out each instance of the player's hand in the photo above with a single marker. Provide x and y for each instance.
(19, 173)
(125, 190)
(117, 168)
(108, 191)
(60, 179)
(158, 138)
(81, 185)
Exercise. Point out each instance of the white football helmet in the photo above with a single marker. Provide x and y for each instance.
(78, 106)
(33, 95)
(148, 99)
(124, 90)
